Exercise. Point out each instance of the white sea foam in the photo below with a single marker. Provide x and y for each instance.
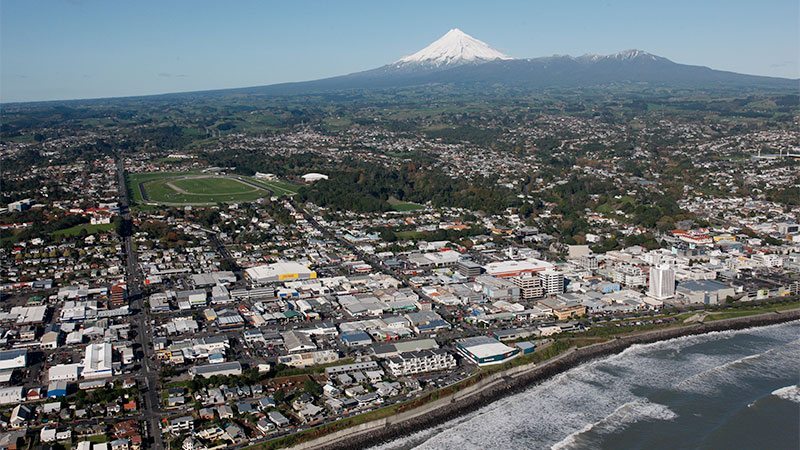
(622, 417)
(791, 393)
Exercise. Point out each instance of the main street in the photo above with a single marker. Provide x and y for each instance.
(152, 408)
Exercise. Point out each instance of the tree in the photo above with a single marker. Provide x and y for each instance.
(311, 387)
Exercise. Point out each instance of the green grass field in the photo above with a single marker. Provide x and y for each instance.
(277, 187)
(401, 206)
(90, 229)
(195, 188)
(211, 186)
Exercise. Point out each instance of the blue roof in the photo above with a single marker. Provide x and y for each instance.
(355, 336)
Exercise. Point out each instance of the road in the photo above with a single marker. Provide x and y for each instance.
(374, 262)
(151, 410)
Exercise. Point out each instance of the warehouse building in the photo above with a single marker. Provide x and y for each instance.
(513, 268)
(280, 271)
(64, 372)
(11, 395)
(485, 350)
(220, 369)
(97, 362)
(708, 292)
(13, 359)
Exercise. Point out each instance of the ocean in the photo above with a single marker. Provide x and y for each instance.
(722, 390)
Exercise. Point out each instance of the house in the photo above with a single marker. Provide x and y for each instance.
(130, 406)
(13, 440)
(266, 403)
(244, 407)
(47, 434)
(206, 413)
(265, 427)
(119, 444)
(233, 433)
(20, 416)
(180, 424)
(225, 412)
(310, 412)
(278, 419)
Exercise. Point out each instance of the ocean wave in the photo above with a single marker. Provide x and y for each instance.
(791, 393)
(622, 417)
(775, 362)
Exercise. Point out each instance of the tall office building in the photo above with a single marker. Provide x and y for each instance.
(552, 281)
(662, 282)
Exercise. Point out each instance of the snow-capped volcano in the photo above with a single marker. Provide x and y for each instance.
(453, 49)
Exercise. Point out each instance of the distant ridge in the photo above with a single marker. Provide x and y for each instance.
(461, 60)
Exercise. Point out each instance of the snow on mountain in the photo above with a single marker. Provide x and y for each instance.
(453, 49)
(626, 55)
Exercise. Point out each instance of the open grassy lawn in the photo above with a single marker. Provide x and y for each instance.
(401, 206)
(409, 235)
(137, 179)
(191, 188)
(90, 229)
(750, 310)
(211, 186)
(277, 187)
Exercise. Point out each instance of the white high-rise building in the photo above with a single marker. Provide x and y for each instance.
(662, 282)
(552, 281)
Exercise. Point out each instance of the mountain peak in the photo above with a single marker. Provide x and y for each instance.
(625, 55)
(452, 49)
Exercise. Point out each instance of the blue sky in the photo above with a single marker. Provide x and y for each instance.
(87, 49)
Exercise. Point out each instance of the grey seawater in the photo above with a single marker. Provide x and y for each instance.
(722, 390)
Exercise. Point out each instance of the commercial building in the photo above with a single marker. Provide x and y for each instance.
(552, 281)
(350, 368)
(708, 292)
(513, 268)
(64, 372)
(280, 271)
(20, 205)
(307, 359)
(662, 282)
(563, 309)
(97, 362)
(221, 369)
(392, 349)
(485, 351)
(294, 342)
(530, 286)
(355, 338)
(445, 258)
(13, 359)
(420, 361)
(313, 176)
(11, 395)
(495, 289)
(57, 389)
(469, 269)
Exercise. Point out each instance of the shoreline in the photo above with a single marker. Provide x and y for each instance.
(515, 380)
